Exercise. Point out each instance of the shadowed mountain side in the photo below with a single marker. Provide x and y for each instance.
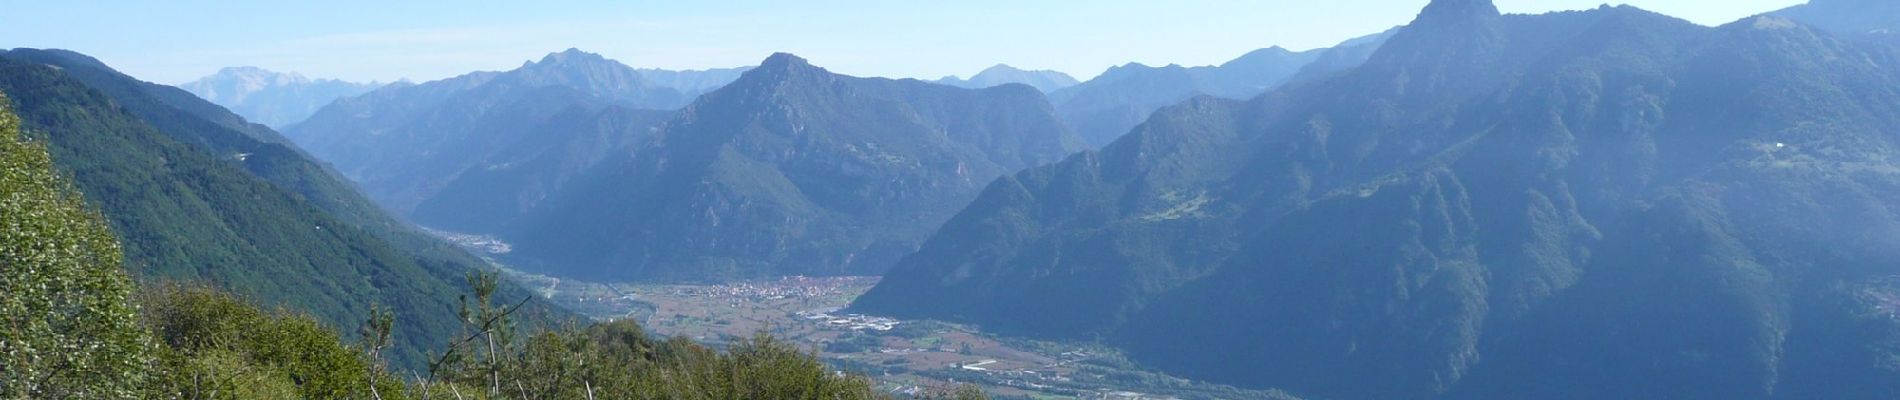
(1599, 204)
(790, 170)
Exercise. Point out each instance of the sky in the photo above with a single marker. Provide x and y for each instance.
(175, 41)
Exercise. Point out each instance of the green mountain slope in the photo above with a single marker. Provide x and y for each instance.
(186, 118)
(187, 213)
(1599, 204)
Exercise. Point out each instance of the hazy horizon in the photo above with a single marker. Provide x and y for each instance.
(362, 41)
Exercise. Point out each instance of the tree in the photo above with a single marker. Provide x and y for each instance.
(376, 337)
(67, 329)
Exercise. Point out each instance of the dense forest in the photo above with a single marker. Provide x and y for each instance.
(76, 326)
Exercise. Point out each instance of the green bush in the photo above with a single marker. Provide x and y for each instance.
(619, 360)
(219, 346)
(66, 329)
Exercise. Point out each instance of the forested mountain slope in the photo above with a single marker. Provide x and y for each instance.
(1600, 204)
(187, 208)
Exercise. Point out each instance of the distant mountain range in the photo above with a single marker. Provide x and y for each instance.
(581, 163)
(789, 170)
(1045, 81)
(200, 195)
(1849, 17)
(1108, 106)
(272, 98)
(1599, 204)
(406, 144)
(692, 82)
(1576, 205)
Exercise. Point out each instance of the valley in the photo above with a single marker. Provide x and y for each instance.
(902, 356)
(1469, 202)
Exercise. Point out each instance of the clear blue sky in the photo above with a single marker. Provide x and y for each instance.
(174, 41)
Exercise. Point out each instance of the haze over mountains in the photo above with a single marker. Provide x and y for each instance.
(1599, 204)
(1848, 17)
(1106, 107)
(1045, 81)
(792, 170)
(579, 161)
(405, 144)
(271, 98)
(692, 82)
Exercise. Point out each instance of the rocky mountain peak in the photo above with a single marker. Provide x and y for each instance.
(782, 67)
(1456, 10)
(570, 57)
(785, 61)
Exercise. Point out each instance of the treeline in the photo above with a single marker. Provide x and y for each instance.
(74, 326)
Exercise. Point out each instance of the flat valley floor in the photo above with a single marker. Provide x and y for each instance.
(902, 356)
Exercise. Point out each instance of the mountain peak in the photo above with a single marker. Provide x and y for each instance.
(1000, 68)
(783, 66)
(1003, 74)
(1275, 50)
(1770, 22)
(570, 56)
(246, 70)
(1452, 10)
(260, 76)
(1253, 59)
(783, 61)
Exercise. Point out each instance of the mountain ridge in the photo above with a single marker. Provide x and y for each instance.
(1002, 74)
(271, 98)
(1848, 17)
(1613, 172)
(405, 144)
(1119, 99)
(852, 168)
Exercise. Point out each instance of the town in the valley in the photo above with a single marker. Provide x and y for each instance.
(904, 357)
